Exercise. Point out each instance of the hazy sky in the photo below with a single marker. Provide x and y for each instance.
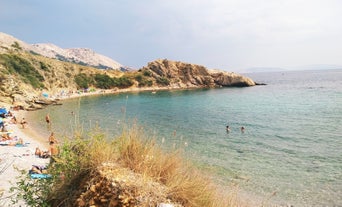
(223, 34)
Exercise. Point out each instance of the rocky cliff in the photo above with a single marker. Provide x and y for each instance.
(186, 75)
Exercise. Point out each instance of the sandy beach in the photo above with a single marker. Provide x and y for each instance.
(18, 157)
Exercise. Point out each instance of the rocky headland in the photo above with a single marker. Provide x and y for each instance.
(187, 75)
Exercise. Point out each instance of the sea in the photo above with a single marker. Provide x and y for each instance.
(290, 153)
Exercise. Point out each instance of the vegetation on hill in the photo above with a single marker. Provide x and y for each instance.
(37, 72)
(23, 77)
(28, 73)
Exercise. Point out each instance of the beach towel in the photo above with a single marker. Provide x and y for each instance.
(40, 176)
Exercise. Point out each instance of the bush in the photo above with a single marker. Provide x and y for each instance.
(143, 81)
(147, 73)
(43, 66)
(139, 77)
(122, 82)
(103, 81)
(24, 68)
(16, 46)
(163, 81)
(82, 81)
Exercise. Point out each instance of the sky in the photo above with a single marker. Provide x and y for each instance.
(230, 35)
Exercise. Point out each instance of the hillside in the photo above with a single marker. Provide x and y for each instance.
(83, 56)
(30, 80)
(24, 77)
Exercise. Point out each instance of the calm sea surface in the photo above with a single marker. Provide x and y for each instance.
(292, 144)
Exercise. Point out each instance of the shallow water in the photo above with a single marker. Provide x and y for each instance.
(291, 146)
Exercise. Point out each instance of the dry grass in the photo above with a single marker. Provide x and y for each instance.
(186, 185)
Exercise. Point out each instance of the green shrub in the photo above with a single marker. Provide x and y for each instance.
(163, 81)
(124, 82)
(16, 46)
(82, 80)
(147, 73)
(24, 68)
(143, 81)
(139, 77)
(103, 81)
(43, 66)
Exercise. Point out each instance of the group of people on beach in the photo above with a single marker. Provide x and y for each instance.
(7, 139)
(6, 135)
(53, 148)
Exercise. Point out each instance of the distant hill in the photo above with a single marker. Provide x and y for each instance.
(318, 67)
(297, 68)
(82, 56)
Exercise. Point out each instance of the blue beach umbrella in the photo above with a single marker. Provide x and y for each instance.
(3, 111)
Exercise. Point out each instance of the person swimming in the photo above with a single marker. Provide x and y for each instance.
(242, 129)
(227, 128)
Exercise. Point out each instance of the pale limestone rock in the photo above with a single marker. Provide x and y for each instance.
(192, 75)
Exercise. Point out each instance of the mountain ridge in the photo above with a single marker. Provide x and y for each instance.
(83, 56)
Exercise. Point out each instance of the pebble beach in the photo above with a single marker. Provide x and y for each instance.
(18, 157)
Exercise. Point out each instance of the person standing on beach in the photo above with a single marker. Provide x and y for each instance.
(47, 118)
(23, 123)
(52, 139)
(53, 150)
(48, 121)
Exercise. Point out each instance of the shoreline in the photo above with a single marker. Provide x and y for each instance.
(120, 91)
(38, 140)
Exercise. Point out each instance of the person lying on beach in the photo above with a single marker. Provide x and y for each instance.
(6, 136)
(42, 154)
(38, 170)
(53, 151)
(38, 152)
(9, 141)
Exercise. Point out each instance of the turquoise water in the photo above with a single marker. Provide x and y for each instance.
(291, 146)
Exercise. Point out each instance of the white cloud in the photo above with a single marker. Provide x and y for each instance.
(215, 33)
